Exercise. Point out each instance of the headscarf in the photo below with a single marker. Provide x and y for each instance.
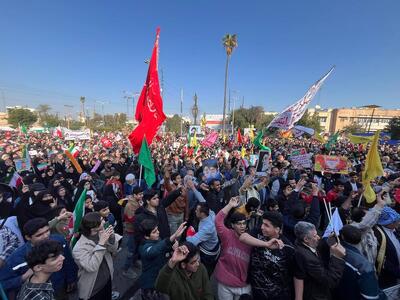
(388, 216)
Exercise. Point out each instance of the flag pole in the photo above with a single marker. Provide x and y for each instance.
(327, 212)
(359, 200)
(140, 174)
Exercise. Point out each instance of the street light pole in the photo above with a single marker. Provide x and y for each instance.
(181, 111)
(68, 115)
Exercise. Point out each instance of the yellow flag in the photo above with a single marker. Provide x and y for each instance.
(360, 139)
(243, 152)
(373, 169)
(251, 135)
(193, 141)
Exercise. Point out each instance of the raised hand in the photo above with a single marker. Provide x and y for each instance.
(65, 215)
(178, 232)
(179, 254)
(234, 202)
(300, 184)
(105, 234)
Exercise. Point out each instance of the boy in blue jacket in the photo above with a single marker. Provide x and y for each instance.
(16, 270)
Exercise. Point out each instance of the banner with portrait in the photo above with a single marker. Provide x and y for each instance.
(331, 164)
(263, 162)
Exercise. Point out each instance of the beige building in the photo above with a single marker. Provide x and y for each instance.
(333, 120)
(368, 118)
(3, 119)
(324, 116)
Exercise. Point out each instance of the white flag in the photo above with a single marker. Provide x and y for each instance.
(335, 225)
(293, 113)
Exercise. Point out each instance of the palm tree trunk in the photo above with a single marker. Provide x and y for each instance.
(226, 83)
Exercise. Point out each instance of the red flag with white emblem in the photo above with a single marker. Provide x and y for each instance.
(149, 109)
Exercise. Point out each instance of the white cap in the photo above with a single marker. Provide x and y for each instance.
(129, 177)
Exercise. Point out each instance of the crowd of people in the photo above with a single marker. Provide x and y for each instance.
(210, 227)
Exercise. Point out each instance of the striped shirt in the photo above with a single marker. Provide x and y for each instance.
(36, 291)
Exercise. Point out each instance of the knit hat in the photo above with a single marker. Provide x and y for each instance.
(388, 216)
(129, 176)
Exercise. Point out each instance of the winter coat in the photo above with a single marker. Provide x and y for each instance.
(88, 256)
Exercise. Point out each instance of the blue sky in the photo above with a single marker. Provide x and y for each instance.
(56, 51)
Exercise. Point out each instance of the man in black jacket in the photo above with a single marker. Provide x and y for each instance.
(318, 280)
(353, 184)
(153, 209)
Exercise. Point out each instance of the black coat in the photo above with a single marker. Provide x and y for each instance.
(163, 226)
(348, 188)
(318, 280)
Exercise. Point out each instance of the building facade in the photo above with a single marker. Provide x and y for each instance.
(333, 120)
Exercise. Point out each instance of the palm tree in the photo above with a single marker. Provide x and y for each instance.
(230, 43)
(43, 109)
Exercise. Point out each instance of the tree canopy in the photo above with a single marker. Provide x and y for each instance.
(174, 124)
(21, 116)
(394, 128)
(244, 117)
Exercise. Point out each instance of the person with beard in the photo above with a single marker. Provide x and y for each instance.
(215, 193)
(319, 278)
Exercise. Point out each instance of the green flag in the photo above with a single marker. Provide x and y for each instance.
(258, 141)
(147, 163)
(24, 129)
(77, 216)
(332, 141)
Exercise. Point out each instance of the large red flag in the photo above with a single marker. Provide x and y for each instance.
(149, 109)
(239, 137)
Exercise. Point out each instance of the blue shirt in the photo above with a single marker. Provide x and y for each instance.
(207, 233)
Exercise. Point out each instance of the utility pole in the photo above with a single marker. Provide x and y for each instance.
(102, 110)
(181, 110)
(229, 102)
(83, 116)
(233, 115)
(242, 102)
(4, 100)
(68, 109)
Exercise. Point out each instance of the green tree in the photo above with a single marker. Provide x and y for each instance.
(50, 121)
(21, 116)
(174, 124)
(230, 43)
(394, 128)
(43, 109)
(311, 121)
(244, 117)
(353, 128)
